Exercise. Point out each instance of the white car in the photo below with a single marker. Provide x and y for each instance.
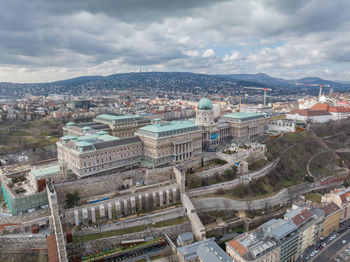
(344, 242)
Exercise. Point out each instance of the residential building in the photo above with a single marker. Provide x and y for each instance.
(253, 246)
(341, 197)
(308, 226)
(331, 218)
(287, 235)
(204, 251)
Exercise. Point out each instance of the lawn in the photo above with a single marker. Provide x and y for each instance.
(119, 232)
(314, 197)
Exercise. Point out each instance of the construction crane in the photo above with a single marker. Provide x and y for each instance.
(320, 85)
(260, 88)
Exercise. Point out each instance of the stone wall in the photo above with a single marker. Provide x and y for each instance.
(99, 185)
(15, 245)
(180, 177)
(123, 206)
(78, 249)
(197, 226)
(246, 223)
(159, 175)
(16, 228)
(197, 161)
(147, 220)
(25, 217)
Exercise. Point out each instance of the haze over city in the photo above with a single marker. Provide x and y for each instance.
(53, 40)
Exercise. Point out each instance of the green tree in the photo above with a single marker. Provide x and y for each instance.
(72, 199)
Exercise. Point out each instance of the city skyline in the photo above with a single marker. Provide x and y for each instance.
(49, 41)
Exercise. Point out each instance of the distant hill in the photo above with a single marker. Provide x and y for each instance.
(280, 82)
(168, 81)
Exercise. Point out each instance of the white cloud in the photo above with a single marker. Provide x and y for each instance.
(234, 56)
(71, 38)
(208, 53)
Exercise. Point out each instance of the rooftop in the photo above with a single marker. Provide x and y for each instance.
(187, 236)
(278, 228)
(45, 171)
(205, 104)
(206, 250)
(329, 209)
(93, 138)
(251, 245)
(243, 116)
(299, 216)
(308, 112)
(116, 118)
(96, 141)
(187, 125)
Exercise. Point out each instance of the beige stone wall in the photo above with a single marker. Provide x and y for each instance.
(97, 185)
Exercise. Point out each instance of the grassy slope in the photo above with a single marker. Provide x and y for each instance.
(19, 136)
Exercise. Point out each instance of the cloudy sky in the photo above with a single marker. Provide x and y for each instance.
(47, 40)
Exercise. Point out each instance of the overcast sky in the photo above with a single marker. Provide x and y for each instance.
(47, 40)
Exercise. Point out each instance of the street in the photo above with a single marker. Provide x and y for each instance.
(332, 248)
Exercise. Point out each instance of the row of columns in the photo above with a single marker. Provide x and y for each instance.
(183, 148)
(115, 210)
(224, 133)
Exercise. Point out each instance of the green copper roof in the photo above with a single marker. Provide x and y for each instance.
(205, 103)
(170, 128)
(89, 139)
(243, 116)
(116, 118)
(94, 137)
(45, 171)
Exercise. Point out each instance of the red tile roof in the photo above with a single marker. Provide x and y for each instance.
(308, 112)
(344, 196)
(330, 209)
(240, 249)
(320, 106)
(302, 217)
(339, 109)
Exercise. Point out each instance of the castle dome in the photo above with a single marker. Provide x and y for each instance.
(205, 104)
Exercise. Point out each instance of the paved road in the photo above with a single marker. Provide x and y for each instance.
(327, 253)
(233, 183)
(144, 220)
(210, 204)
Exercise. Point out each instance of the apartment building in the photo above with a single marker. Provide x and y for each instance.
(287, 235)
(253, 247)
(308, 224)
(331, 218)
(341, 197)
